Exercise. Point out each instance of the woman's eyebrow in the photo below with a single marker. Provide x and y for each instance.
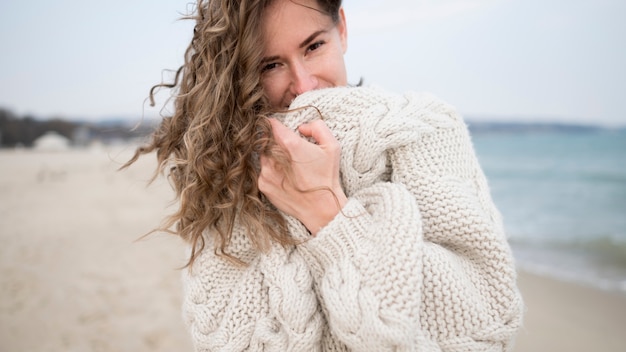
(310, 38)
(269, 58)
(304, 43)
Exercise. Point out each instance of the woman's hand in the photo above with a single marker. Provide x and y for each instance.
(307, 195)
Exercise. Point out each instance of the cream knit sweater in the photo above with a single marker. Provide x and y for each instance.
(416, 261)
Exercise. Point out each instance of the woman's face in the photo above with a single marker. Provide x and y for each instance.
(303, 50)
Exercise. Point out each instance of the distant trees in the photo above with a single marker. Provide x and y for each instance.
(22, 131)
(18, 131)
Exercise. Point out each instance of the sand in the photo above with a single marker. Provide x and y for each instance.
(74, 278)
(563, 316)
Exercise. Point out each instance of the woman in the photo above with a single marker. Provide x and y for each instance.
(370, 229)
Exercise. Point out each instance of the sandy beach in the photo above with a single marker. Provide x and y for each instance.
(73, 276)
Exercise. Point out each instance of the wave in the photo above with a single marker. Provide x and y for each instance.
(599, 262)
(607, 249)
(533, 173)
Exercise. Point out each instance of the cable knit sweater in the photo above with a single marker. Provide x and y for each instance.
(416, 261)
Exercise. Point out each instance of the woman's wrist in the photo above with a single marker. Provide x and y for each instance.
(325, 210)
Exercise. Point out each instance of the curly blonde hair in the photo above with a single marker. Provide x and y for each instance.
(210, 146)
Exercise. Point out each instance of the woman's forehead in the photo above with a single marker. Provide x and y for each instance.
(282, 15)
(278, 8)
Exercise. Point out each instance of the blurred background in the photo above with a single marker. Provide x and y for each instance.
(541, 85)
(498, 59)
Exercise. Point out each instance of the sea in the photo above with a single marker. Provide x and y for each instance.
(562, 195)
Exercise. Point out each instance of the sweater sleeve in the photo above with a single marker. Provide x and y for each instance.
(420, 263)
(267, 305)
(470, 299)
(368, 265)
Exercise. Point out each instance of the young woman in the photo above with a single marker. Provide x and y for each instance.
(358, 220)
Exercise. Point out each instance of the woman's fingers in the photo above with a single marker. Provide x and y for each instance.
(319, 132)
(283, 135)
(312, 190)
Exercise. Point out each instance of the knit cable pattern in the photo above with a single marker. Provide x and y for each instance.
(416, 261)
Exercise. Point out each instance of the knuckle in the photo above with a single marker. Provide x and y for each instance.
(290, 143)
(334, 147)
(319, 123)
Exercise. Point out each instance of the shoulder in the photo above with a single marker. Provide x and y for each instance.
(432, 111)
(371, 96)
(374, 106)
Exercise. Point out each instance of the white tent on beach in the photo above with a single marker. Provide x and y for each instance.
(52, 141)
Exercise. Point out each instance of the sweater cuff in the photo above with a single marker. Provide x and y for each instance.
(343, 237)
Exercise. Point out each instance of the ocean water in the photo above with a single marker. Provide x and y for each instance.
(563, 199)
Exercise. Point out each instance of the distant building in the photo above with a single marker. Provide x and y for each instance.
(52, 141)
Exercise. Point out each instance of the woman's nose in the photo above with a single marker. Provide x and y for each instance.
(303, 80)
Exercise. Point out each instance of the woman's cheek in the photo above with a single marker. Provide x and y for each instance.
(269, 90)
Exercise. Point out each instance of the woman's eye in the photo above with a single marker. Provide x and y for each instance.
(315, 45)
(269, 67)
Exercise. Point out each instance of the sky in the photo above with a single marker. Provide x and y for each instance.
(530, 60)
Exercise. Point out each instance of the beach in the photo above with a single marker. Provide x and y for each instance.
(75, 275)
(563, 316)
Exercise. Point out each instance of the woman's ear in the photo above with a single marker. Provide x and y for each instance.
(343, 30)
